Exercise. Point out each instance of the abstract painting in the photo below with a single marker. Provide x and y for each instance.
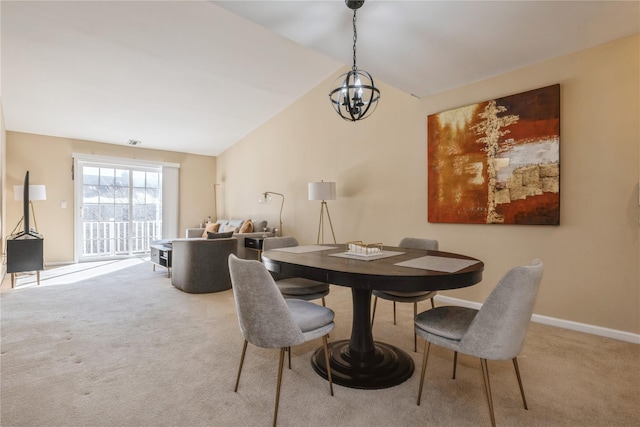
(496, 162)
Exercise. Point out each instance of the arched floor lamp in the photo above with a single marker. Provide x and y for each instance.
(323, 191)
(266, 200)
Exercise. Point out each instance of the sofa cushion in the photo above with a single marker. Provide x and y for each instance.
(229, 227)
(237, 223)
(259, 225)
(211, 227)
(247, 227)
(223, 235)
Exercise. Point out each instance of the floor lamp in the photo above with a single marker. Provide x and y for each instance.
(323, 191)
(215, 200)
(266, 199)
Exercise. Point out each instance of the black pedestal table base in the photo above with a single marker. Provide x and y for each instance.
(387, 367)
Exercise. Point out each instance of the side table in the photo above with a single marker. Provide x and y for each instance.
(161, 255)
(254, 243)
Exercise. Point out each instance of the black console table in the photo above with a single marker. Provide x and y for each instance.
(25, 252)
(254, 243)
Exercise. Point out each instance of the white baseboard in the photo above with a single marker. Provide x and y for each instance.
(553, 321)
(51, 264)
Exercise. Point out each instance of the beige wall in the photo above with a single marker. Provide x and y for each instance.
(592, 272)
(49, 161)
(3, 166)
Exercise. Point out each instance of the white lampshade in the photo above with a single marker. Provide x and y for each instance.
(36, 192)
(322, 190)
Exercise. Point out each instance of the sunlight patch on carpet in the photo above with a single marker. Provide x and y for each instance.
(76, 272)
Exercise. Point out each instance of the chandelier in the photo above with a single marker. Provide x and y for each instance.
(356, 97)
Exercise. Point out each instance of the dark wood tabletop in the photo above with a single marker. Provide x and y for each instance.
(380, 274)
(362, 362)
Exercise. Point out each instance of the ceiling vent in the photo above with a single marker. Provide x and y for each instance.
(134, 142)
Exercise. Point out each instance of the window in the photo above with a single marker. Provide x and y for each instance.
(119, 208)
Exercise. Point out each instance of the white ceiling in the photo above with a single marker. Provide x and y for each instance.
(197, 76)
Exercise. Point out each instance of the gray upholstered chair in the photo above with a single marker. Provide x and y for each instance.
(268, 320)
(200, 265)
(410, 297)
(295, 287)
(495, 332)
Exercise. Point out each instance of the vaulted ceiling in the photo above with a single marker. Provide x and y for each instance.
(197, 76)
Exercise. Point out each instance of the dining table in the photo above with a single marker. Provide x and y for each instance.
(362, 362)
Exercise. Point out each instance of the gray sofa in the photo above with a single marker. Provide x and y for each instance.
(201, 265)
(241, 252)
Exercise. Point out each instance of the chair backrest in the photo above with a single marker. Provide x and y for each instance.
(278, 242)
(263, 314)
(499, 329)
(275, 243)
(416, 243)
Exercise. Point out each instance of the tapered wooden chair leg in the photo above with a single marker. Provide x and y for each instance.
(326, 360)
(515, 365)
(373, 315)
(394, 312)
(244, 351)
(415, 336)
(487, 389)
(455, 363)
(280, 363)
(427, 346)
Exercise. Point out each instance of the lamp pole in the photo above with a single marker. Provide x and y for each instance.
(267, 199)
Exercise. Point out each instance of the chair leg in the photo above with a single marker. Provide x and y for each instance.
(455, 363)
(487, 389)
(427, 346)
(326, 360)
(323, 302)
(280, 363)
(289, 353)
(394, 312)
(415, 336)
(433, 304)
(524, 400)
(373, 316)
(244, 351)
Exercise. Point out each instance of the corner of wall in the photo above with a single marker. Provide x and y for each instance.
(3, 211)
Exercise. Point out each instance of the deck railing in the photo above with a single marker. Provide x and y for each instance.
(116, 238)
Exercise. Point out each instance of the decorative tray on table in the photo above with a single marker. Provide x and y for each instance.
(359, 248)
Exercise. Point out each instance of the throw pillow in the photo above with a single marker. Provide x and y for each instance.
(219, 235)
(211, 227)
(247, 227)
(229, 227)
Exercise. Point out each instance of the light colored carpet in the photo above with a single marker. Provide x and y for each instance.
(128, 349)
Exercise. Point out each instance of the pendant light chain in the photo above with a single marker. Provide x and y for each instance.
(355, 39)
(354, 95)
